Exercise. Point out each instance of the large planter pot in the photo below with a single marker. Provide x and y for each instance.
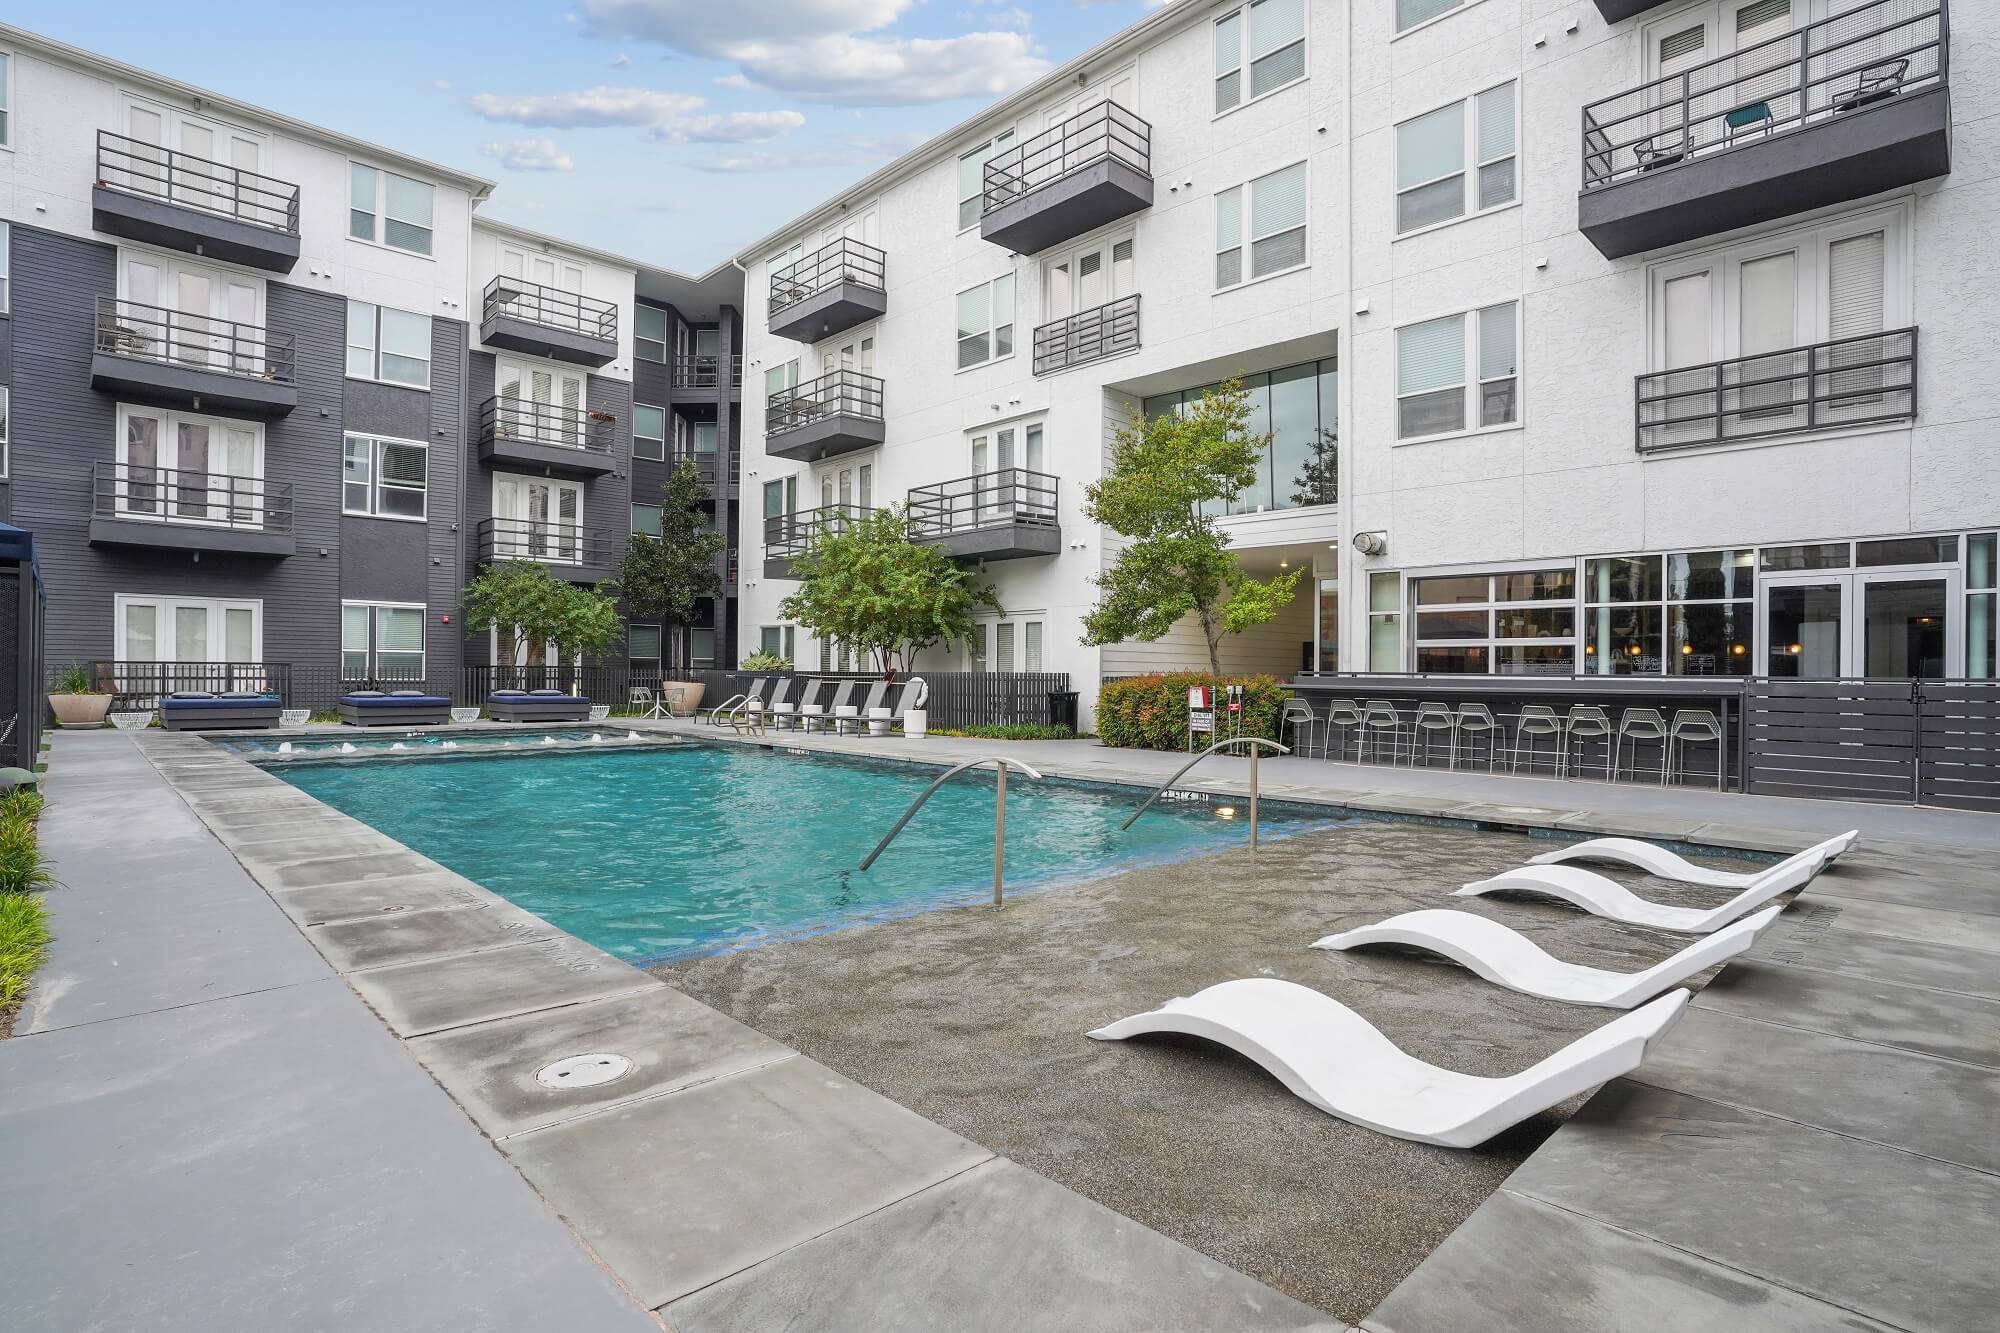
(80, 710)
(683, 696)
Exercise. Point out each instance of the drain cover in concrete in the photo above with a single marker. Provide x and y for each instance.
(583, 1071)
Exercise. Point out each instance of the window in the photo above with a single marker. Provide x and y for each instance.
(178, 467)
(383, 478)
(1297, 406)
(6, 265)
(777, 640)
(649, 431)
(389, 345)
(6, 101)
(649, 335)
(642, 648)
(986, 322)
(972, 177)
(1409, 13)
(1691, 613)
(701, 647)
(1432, 183)
(646, 520)
(1508, 624)
(1982, 592)
(705, 438)
(1435, 396)
(6, 462)
(1271, 36)
(189, 629)
(389, 209)
(1275, 227)
(779, 378)
(381, 641)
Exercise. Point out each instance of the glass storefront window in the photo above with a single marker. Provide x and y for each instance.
(1329, 624)
(1629, 578)
(1907, 551)
(1982, 645)
(1825, 555)
(1705, 576)
(1622, 640)
(1385, 622)
(1442, 592)
(1296, 406)
(1520, 622)
(1710, 639)
(1539, 585)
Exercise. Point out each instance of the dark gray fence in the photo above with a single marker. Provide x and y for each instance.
(23, 668)
(1932, 742)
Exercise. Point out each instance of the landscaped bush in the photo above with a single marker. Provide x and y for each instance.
(1151, 712)
(1010, 731)
(24, 931)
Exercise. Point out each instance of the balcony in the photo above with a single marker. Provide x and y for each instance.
(786, 536)
(176, 509)
(163, 356)
(1092, 169)
(547, 321)
(835, 414)
(555, 441)
(1866, 381)
(829, 291)
(707, 371)
(1831, 112)
(152, 194)
(707, 465)
(1089, 335)
(576, 554)
(1002, 515)
(1617, 11)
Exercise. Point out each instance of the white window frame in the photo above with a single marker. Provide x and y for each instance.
(660, 439)
(6, 103)
(377, 443)
(370, 653)
(1399, 33)
(1469, 330)
(786, 637)
(374, 345)
(378, 216)
(167, 499)
(659, 655)
(1243, 60)
(995, 144)
(993, 325)
(1469, 161)
(163, 604)
(641, 340)
(6, 453)
(1245, 192)
(7, 266)
(661, 509)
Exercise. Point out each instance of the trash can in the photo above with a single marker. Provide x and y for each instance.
(1062, 709)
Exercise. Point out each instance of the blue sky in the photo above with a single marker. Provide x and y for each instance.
(673, 131)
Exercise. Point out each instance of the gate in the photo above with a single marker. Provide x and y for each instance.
(1931, 742)
(1958, 744)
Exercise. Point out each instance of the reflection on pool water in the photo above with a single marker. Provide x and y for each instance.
(669, 851)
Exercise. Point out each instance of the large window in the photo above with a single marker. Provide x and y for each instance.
(6, 269)
(777, 640)
(1270, 215)
(1296, 406)
(986, 322)
(642, 650)
(179, 467)
(1267, 35)
(6, 99)
(1385, 621)
(646, 520)
(779, 378)
(1982, 584)
(150, 628)
(972, 176)
(649, 334)
(1456, 160)
(390, 210)
(649, 431)
(1688, 614)
(381, 641)
(383, 478)
(6, 456)
(1409, 13)
(1520, 624)
(1457, 370)
(389, 345)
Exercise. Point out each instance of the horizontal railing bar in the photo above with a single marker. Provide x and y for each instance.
(549, 306)
(119, 154)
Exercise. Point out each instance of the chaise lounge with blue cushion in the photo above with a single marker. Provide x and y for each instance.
(399, 708)
(536, 706)
(201, 710)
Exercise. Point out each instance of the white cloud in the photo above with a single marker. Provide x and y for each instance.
(855, 151)
(671, 117)
(704, 27)
(442, 85)
(620, 61)
(535, 154)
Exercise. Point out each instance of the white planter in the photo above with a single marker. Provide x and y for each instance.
(916, 723)
(598, 712)
(132, 721)
(878, 721)
(294, 717)
(465, 714)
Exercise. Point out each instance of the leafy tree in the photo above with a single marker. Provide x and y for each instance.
(661, 577)
(1318, 482)
(526, 602)
(864, 583)
(1176, 559)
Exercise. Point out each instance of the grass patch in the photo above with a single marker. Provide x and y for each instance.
(24, 926)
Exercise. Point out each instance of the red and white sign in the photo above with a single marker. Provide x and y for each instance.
(1198, 697)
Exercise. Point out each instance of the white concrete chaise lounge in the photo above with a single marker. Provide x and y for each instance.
(1508, 958)
(1334, 1058)
(1668, 865)
(1608, 898)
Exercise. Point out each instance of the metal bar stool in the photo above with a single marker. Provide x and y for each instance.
(1433, 717)
(1693, 726)
(1587, 722)
(1378, 718)
(1299, 716)
(1342, 717)
(1475, 720)
(1536, 721)
(1640, 726)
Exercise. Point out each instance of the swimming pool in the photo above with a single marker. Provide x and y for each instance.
(692, 849)
(398, 740)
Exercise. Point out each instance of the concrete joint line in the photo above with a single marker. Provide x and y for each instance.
(1836, 1036)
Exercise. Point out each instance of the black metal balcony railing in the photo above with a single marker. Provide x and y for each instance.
(837, 393)
(1088, 335)
(707, 463)
(707, 371)
(843, 261)
(1828, 386)
(1011, 495)
(197, 342)
(788, 535)
(1805, 77)
(137, 167)
(503, 417)
(183, 495)
(551, 307)
(1104, 131)
(547, 543)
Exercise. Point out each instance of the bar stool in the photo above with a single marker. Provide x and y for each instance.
(1433, 717)
(1378, 718)
(1477, 720)
(1298, 715)
(1640, 726)
(1587, 722)
(1693, 726)
(1536, 721)
(1341, 716)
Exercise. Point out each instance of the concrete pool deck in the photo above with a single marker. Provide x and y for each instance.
(730, 1183)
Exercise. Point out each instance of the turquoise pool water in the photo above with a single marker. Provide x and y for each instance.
(651, 854)
(387, 740)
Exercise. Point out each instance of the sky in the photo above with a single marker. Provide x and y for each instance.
(672, 131)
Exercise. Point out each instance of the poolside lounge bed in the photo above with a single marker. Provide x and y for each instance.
(1506, 957)
(536, 706)
(398, 708)
(199, 710)
(1334, 1058)
(1610, 899)
(1655, 860)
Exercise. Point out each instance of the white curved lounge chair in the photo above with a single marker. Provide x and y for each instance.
(1608, 898)
(1334, 1058)
(1667, 865)
(1508, 958)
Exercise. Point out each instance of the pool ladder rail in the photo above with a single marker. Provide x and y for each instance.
(1001, 764)
(1252, 741)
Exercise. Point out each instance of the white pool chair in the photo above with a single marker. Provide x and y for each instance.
(1612, 900)
(1334, 1058)
(1508, 958)
(811, 712)
(1659, 861)
(782, 708)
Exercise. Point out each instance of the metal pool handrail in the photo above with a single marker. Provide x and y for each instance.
(1219, 745)
(1001, 763)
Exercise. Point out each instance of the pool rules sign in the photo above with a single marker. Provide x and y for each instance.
(1201, 712)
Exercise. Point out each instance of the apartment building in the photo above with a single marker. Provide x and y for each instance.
(1588, 335)
(269, 394)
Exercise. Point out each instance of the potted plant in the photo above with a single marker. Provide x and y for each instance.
(75, 702)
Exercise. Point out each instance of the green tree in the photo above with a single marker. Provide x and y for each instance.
(526, 602)
(864, 583)
(660, 578)
(1176, 559)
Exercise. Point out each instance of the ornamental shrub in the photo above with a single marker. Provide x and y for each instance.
(1151, 712)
